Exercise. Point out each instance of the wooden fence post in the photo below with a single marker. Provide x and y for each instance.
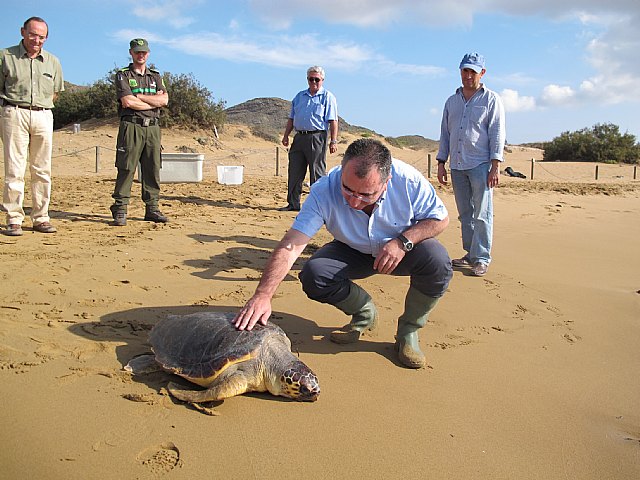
(429, 165)
(533, 162)
(97, 158)
(597, 171)
(277, 161)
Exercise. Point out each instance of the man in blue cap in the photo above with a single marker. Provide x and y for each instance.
(472, 137)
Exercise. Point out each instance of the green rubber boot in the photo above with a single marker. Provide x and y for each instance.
(417, 307)
(364, 318)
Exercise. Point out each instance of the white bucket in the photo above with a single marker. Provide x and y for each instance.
(76, 128)
(230, 175)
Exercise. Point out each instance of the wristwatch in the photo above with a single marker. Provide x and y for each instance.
(407, 245)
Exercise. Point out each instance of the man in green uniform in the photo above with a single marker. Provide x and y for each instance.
(30, 79)
(141, 94)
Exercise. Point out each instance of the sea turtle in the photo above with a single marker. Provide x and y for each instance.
(207, 349)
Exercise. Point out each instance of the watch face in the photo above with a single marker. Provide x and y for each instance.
(407, 245)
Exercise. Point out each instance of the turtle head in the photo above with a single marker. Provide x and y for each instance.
(300, 383)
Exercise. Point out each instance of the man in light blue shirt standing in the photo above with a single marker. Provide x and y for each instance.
(472, 137)
(313, 112)
(384, 217)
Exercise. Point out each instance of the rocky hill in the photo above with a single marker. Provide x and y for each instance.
(266, 117)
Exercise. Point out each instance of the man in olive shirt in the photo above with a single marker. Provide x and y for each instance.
(141, 93)
(30, 79)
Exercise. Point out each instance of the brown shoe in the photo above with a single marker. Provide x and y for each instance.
(44, 227)
(13, 230)
(461, 262)
(479, 269)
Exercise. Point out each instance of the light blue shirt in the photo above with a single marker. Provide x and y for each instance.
(313, 112)
(408, 199)
(472, 132)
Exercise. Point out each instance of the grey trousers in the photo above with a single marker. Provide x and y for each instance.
(307, 151)
(327, 275)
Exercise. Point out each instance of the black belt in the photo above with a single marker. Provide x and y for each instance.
(309, 132)
(145, 122)
(26, 107)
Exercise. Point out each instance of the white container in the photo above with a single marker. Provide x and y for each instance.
(76, 128)
(180, 168)
(230, 175)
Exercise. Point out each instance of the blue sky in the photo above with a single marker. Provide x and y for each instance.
(559, 65)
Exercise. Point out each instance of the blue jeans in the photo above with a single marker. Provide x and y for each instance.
(474, 200)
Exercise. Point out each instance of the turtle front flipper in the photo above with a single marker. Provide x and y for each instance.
(226, 387)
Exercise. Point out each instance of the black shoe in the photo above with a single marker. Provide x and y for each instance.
(155, 216)
(119, 218)
(119, 214)
(288, 208)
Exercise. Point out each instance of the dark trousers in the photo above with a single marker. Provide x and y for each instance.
(326, 276)
(137, 145)
(307, 151)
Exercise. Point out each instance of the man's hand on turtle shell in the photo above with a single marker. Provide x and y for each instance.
(257, 309)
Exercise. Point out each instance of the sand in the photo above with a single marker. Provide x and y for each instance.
(532, 370)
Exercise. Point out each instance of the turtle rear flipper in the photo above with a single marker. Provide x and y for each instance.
(143, 364)
(228, 386)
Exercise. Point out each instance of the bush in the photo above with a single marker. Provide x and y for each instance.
(601, 143)
(190, 104)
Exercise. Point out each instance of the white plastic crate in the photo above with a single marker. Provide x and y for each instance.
(230, 175)
(180, 168)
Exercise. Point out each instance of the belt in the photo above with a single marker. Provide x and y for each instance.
(309, 132)
(145, 122)
(26, 107)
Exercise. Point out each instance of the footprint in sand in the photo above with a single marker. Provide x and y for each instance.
(160, 459)
(571, 338)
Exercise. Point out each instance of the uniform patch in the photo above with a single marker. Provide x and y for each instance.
(133, 82)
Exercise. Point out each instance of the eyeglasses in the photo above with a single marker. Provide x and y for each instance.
(35, 36)
(314, 79)
(368, 199)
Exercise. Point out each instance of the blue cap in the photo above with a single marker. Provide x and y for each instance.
(474, 61)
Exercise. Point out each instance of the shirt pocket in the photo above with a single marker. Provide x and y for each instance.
(477, 117)
(46, 85)
(478, 114)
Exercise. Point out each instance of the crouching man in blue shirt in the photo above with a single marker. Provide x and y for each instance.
(384, 217)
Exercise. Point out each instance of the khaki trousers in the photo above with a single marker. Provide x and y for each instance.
(27, 135)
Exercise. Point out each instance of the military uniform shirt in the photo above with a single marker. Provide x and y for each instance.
(129, 82)
(29, 81)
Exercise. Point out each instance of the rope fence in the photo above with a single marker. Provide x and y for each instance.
(97, 149)
(557, 171)
(551, 171)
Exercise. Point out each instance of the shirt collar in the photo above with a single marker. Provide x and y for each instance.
(320, 92)
(24, 53)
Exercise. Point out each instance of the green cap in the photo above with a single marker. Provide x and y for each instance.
(139, 45)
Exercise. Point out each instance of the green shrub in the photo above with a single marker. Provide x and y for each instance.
(190, 104)
(601, 143)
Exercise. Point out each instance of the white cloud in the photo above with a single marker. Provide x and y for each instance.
(610, 26)
(284, 51)
(443, 13)
(557, 95)
(514, 102)
(169, 11)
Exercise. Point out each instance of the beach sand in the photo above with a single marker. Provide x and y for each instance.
(532, 370)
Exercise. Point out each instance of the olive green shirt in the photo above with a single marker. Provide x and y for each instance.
(130, 82)
(29, 81)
